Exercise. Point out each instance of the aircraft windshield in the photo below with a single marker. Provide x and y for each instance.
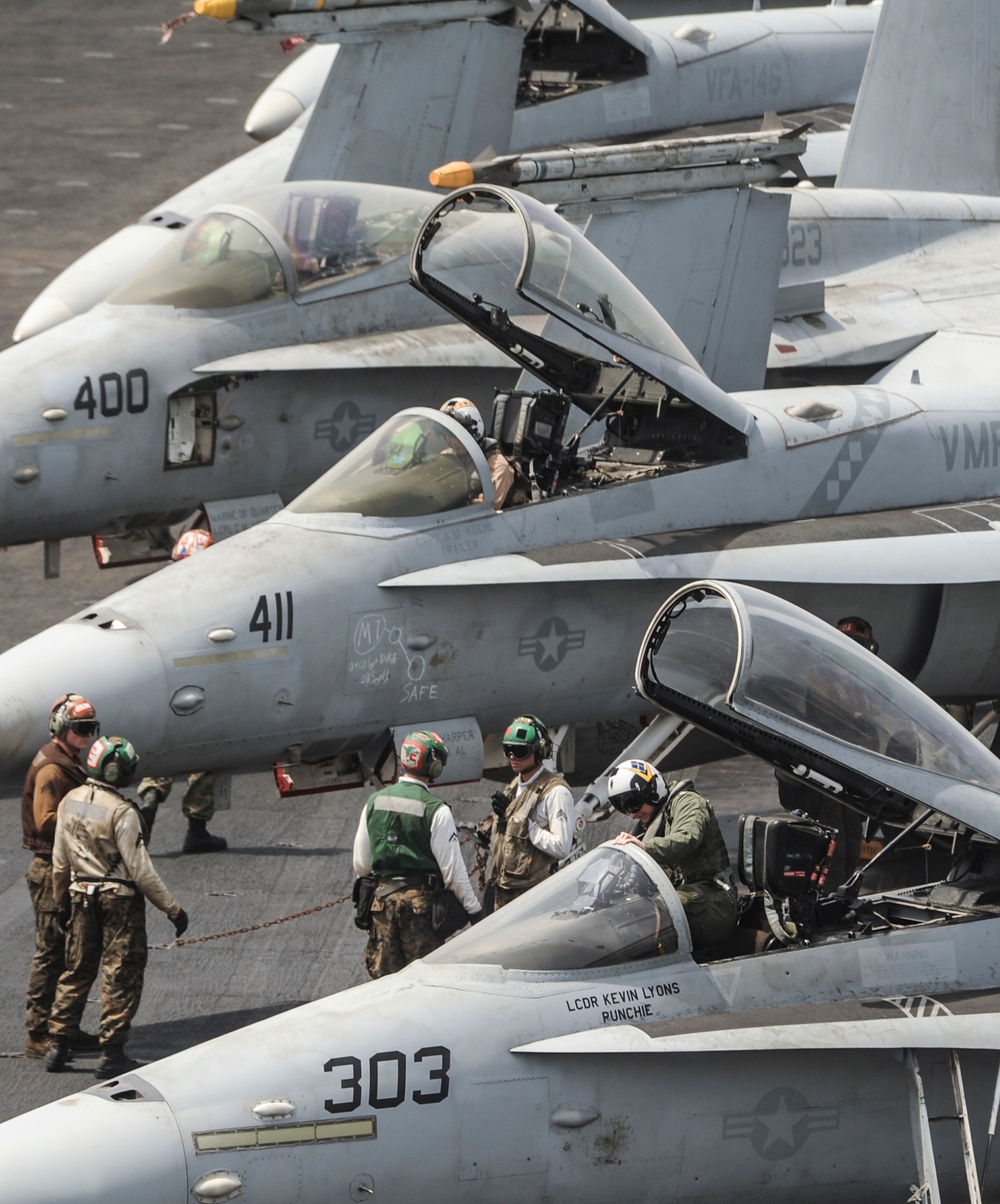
(784, 663)
(218, 262)
(413, 464)
(602, 910)
(487, 252)
(333, 231)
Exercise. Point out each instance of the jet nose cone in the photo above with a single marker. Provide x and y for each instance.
(85, 1147)
(43, 313)
(117, 668)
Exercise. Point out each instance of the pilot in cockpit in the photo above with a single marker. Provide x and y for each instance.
(501, 471)
(677, 827)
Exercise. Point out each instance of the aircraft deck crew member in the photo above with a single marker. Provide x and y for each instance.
(55, 770)
(407, 839)
(535, 814)
(501, 472)
(677, 827)
(101, 878)
(198, 803)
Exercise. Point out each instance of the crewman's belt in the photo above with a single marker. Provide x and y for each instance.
(101, 881)
(410, 881)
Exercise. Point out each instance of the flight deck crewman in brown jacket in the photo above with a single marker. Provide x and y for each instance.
(55, 770)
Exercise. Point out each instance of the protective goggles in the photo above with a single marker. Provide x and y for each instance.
(628, 804)
(518, 751)
(85, 727)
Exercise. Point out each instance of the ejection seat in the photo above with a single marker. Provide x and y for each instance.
(783, 862)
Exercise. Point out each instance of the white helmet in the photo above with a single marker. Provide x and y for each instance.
(633, 784)
(467, 413)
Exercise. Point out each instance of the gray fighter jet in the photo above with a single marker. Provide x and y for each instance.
(574, 1048)
(391, 592)
(548, 59)
(111, 409)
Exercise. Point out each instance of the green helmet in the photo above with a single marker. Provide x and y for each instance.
(112, 759)
(423, 754)
(527, 734)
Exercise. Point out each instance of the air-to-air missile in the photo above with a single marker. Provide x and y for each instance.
(673, 165)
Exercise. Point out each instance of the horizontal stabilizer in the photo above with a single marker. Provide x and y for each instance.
(948, 357)
(432, 347)
(906, 1032)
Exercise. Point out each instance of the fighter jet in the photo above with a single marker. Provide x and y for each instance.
(390, 591)
(573, 1047)
(654, 76)
(112, 408)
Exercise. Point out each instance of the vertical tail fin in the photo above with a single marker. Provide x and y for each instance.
(928, 113)
(395, 105)
(709, 262)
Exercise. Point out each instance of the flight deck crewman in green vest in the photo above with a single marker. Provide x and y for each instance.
(408, 841)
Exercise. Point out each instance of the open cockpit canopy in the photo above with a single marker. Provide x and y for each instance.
(529, 281)
(779, 682)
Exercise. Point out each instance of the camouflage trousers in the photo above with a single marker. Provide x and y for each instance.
(50, 949)
(106, 933)
(400, 932)
(199, 794)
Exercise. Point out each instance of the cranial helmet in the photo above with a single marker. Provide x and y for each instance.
(112, 759)
(191, 541)
(73, 713)
(424, 754)
(527, 734)
(859, 630)
(633, 784)
(467, 413)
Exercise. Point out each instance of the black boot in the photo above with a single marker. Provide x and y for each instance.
(114, 1061)
(58, 1055)
(200, 840)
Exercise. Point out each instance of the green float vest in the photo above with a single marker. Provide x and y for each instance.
(399, 828)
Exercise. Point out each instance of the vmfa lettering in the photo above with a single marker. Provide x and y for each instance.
(980, 446)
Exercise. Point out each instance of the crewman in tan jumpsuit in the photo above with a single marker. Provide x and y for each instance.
(101, 878)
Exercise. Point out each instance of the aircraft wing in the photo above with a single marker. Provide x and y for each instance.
(951, 1022)
(436, 346)
(940, 545)
(928, 1032)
